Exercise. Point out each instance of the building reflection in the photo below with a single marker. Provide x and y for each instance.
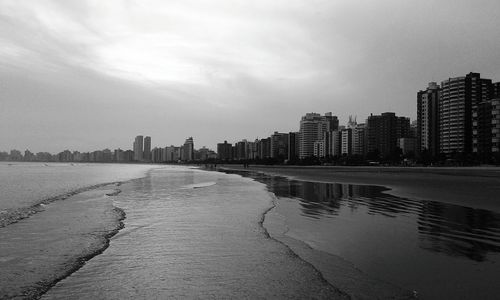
(442, 228)
(458, 231)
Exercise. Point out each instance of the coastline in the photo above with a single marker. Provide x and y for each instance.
(475, 187)
(346, 272)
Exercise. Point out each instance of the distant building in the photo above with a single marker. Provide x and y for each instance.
(486, 128)
(312, 129)
(241, 150)
(252, 149)
(408, 145)
(138, 148)
(172, 154)
(359, 139)
(428, 119)
(335, 142)
(119, 155)
(279, 145)
(147, 149)
(346, 141)
(459, 97)
(224, 151)
(264, 148)
(188, 150)
(293, 145)
(384, 131)
(319, 148)
(157, 155)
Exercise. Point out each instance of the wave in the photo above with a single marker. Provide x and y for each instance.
(43, 286)
(199, 185)
(11, 216)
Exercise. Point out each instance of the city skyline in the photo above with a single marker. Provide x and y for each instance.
(84, 74)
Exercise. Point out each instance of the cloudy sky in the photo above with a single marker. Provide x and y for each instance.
(87, 75)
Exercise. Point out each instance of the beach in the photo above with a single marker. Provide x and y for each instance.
(477, 187)
(294, 233)
(379, 233)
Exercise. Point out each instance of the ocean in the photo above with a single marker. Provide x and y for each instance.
(97, 231)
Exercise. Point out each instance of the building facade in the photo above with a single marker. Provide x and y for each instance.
(225, 151)
(384, 131)
(459, 97)
(312, 129)
(138, 148)
(147, 149)
(428, 120)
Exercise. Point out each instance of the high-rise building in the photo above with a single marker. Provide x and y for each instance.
(459, 97)
(312, 129)
(224, 151)
(428, 120)
(188, 150)
(335, 142)
(486, 129)
(252, 152)
(172, 154)
(319, 148)
(264, 148)
(279, 145)
(138, 148)
(293, 145)
(346, 141)
(147, 149)
(359, 139)
(384, 131)
(241, 150)
(408, 145)
(157, 155)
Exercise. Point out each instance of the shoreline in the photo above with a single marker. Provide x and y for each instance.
(366, 286)
(44, 287)
(268, 232)
(469, 187)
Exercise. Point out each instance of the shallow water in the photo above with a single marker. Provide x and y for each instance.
(185, 238)
(24, 185)
(54, 217)
(439, 250)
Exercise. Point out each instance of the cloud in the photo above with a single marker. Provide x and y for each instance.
(221, 70)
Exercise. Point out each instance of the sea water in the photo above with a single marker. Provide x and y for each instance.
(177, 232)
(194, 234)
(366, 241)
(53, 217)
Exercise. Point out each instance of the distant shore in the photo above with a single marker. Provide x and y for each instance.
(477, 187)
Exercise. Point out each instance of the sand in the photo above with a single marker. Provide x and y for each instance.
(477, 187)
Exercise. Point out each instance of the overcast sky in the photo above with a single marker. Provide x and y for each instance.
(88, 75)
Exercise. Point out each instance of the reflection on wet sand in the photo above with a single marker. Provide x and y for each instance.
(444, 228)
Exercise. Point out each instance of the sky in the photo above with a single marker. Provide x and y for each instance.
(88, 75)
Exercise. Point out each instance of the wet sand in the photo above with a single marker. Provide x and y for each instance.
(477, 187)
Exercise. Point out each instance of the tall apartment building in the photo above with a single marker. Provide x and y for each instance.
(293, 145)
(486, 128)
(264, 148)
(428, 119)
(312, 129)
(346, 141)
(335, 142)
(147, 149)
(241, 149)
(279, 145)
(138, 148)
(384, 131)
(188, 150)
(459, 97)
(173, 154)
(359, 139)
(225, 151)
